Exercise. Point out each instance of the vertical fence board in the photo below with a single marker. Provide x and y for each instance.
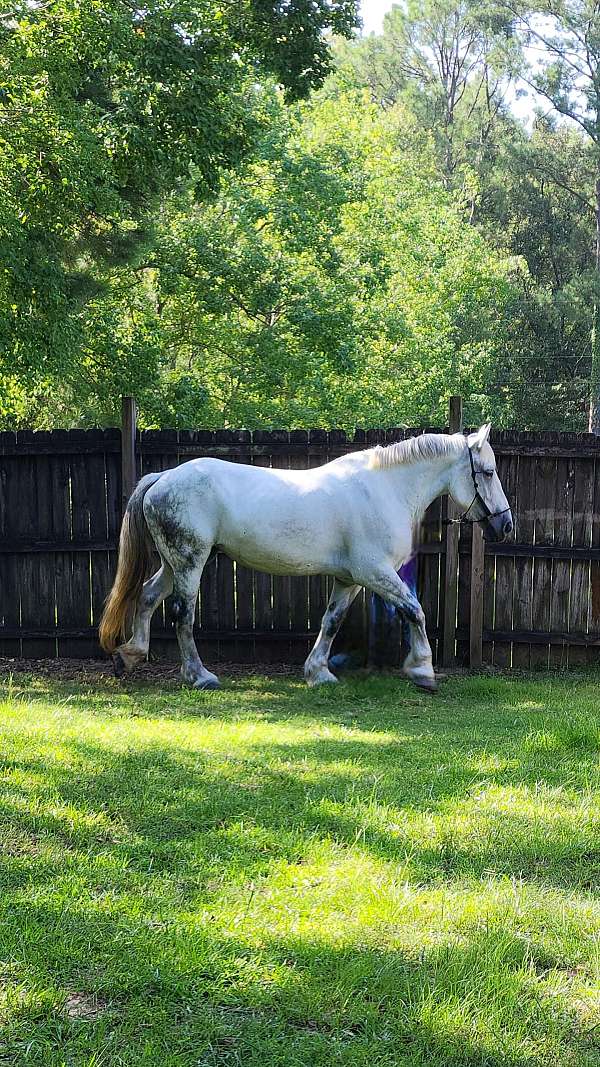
(464, 592)
(60, 475)
(128, 449)
(476, 598)
(579, 605)
(561, 568)
(26, 527)
(593, 654)
(38, 572)
(84, 489)
(545, 491)
(10, 606)
(505, 570)
(523, 508)
(100, 560)
(489, 603)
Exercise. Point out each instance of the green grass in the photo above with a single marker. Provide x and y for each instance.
(271, 876)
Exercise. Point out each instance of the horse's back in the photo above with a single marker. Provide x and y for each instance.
(285, 521)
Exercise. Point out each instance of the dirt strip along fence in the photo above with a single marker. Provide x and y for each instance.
(534, 601)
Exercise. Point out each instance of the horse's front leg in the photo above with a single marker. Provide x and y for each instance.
(418, 665)
(316, 670)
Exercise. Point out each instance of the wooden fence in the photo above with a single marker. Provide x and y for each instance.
(533, 601)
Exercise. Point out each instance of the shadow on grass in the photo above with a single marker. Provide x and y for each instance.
(116, 863)
(180, 993)
(400, 802)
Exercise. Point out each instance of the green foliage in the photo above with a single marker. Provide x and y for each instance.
(566, 35)
(174, 224)
(333, 282)
(448, 61)
(103, 109)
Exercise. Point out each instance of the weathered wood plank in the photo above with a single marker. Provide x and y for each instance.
(476, 599)
(36, 573)
(579, 601)
(508, 467)
(60, 475)
(561, 568)
(9, 583)
(594, 619)
(545, 490)
(523, 510)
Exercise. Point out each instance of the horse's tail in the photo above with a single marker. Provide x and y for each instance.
(134, 566)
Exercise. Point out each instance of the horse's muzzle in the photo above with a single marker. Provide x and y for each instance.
(498, 527)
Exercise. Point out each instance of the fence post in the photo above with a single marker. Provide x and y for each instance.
(455, 420)
(128, 464)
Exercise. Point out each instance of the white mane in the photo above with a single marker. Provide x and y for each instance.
(413, 449)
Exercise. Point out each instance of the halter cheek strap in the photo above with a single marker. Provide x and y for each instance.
(476, 498)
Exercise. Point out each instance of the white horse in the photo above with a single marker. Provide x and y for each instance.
(353, 518)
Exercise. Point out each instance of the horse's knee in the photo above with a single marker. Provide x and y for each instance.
(148, 600)
(332, 623)
(182, 610)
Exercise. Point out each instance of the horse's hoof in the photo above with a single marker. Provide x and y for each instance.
(207, 684)
(323, 677)
(428, 685)
(118, 665)
(204, 681)
(422, 680)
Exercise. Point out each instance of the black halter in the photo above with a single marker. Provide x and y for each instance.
(476, 498)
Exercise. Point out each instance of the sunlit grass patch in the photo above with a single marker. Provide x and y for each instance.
(268, 875)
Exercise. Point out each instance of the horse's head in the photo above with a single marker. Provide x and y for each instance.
(476, 487)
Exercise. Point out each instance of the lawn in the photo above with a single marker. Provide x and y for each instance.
(271, 876)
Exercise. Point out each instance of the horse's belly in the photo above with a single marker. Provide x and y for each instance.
(273, 565)
(278, 556)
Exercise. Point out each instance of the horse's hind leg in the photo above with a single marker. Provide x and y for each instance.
(316, 670)
(153, 593)
(185, 595)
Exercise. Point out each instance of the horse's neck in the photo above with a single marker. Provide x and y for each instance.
(416, 485)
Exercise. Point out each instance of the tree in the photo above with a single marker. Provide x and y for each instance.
(333, 282)
(566, 35)
(450, 61)
(102, 110)
(534, 203)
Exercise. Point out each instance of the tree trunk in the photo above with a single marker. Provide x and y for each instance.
(594, 423)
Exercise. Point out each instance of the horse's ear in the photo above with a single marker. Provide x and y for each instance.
(481, 436)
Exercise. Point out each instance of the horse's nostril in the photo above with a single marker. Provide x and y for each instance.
(507, 528)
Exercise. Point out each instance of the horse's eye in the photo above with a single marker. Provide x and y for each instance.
(489, 474)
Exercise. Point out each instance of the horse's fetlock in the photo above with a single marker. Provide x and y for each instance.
(413, 611)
